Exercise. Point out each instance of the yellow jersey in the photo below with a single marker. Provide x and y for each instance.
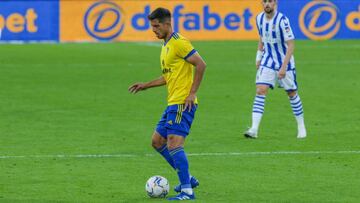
(177, 72)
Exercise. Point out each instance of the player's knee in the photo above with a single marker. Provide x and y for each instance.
(175, 142)
(261, 91)
(156, 143)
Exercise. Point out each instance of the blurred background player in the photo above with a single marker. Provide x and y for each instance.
(178, 57)
(275, 62)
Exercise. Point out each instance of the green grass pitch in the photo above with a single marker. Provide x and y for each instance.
(72, 99)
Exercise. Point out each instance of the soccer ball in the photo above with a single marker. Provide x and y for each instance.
(157, 187)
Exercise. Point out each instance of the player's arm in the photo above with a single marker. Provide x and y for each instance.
(143, 86)
(200, 66)
(259, 53)
(289, 39)
(289, 53)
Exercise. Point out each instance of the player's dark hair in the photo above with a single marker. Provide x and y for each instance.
(162, 14)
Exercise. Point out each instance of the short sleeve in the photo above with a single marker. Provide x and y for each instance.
(286, 29)
(185, 49)
(258, 23)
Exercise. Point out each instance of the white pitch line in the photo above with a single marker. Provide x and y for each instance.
(273, 153)
(218, 154)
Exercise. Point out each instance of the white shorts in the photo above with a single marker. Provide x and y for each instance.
(268, 76)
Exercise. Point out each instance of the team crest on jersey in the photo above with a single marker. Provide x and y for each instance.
(287, 29)
(166, 70)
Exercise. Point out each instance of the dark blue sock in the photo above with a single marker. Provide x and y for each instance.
(182, 166)
(165, 153)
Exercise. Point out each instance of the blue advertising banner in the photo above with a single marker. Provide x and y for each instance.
(39, 20)
(29, 20)
(323, 20)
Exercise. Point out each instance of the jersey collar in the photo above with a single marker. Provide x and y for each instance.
(275, 13)
(166, 41)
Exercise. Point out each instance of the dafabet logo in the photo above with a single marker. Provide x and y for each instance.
(318, 28)
(104, 20)
(320, 20)
(108, 20)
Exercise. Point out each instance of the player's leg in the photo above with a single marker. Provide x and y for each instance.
(265, 79)
(178, 126)
(298, 111)
(290, 85)
(176, 149)
(258, 107)
(159, 142)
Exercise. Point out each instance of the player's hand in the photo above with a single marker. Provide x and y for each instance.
(137, 87)
(282, 73)
(190, 102)
(258, 64)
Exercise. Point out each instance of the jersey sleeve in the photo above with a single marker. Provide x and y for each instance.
(185, 49)
(286, 29)
(258, 23)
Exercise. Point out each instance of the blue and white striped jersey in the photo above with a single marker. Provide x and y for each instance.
(274, 34)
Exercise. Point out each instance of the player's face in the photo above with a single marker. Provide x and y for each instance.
(160, 29)
(269, 6)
